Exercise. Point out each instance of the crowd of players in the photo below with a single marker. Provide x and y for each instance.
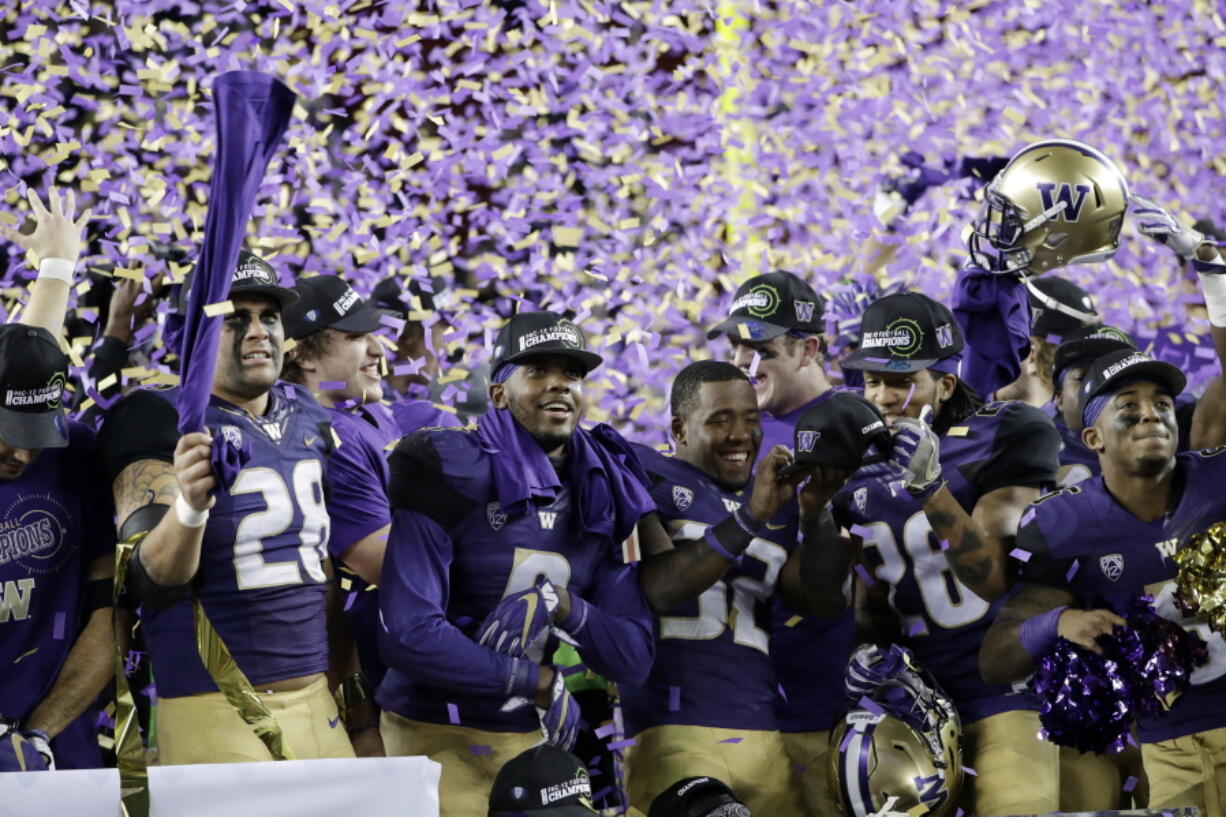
(722, 588)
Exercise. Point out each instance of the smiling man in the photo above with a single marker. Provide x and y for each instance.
(693, 716)
(774, 326)
(253, 555)
(500, 535)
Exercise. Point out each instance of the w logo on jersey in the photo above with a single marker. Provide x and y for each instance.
(682, 497)
(15, 600)
(1167, 547)
(547, 519)
(1112, 565)
(495, 515)
(730, 505)
(805, 440)
(804, 310)
(1063, 193)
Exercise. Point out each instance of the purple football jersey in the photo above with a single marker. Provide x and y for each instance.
(357, 478)
(1080, 538)
(261, 576)
(55, 519)
(1003, 444)
(727, 626)
(454, 553)
(810, 654)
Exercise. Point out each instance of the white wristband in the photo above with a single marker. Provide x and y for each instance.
(189, 517)
(1214, 287)
(57, 269)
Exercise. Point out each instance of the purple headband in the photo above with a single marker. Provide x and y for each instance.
(949, 365)
(503, 373)
(1095, 406)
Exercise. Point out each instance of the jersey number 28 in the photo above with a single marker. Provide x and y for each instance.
(280, 503)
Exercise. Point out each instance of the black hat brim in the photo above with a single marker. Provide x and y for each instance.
(589, 360)
(1086, 351)
(865, 360)
(1155, 371)
(33, 430)
(729, 327)
(364, 319)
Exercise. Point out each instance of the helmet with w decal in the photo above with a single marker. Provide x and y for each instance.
(1057, 202)
(898, 750)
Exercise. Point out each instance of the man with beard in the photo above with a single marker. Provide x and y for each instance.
(694, 716)
(501, 536)
(252, 555)
(774, 327)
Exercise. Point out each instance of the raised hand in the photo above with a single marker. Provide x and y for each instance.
(769, 492)
(57, 231)
(917, 451)
(1156, 223)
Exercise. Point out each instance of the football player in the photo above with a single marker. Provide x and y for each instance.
(251, 555)
(936, 522)
(692, 716)
(501, 535)
(1057, 307)
(1146, 502)
(56, 540)
(775, 326)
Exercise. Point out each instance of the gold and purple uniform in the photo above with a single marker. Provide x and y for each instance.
(708, 707)
(943, 622)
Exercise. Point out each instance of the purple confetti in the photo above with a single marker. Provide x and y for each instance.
(622, 744)
(57, 631)
(1020, 554)
(480, 749)
(453, 714)
(674, 699)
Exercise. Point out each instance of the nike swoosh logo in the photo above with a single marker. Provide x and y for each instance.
(769, 526)
(310, 439)
(334, 722)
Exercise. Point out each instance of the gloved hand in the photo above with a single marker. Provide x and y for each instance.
(1164, 228)
(871, 666)
(917, 451)
(519, 626)
(560, 721)
(24, 751)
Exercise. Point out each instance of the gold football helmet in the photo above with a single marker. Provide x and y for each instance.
(1057, 202)
(899, 749)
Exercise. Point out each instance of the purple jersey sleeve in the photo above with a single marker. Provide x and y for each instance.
(357, 484)
(412, 415)
(615, 632)
(417, 637)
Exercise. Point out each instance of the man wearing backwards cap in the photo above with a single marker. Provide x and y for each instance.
(56, 540)
(543, 781)
(693, 716)
(958, 487)
(252, 554)
(1057, 307)
(501, 537)
(1112, 537)
(775, 326)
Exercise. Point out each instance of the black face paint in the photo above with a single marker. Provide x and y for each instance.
(240, 324)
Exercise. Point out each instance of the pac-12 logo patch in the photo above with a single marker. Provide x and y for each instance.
(683, 497)
(860, 498)
(496, 516)
(1112, 565)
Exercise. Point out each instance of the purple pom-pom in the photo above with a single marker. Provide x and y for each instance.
(1087, 701)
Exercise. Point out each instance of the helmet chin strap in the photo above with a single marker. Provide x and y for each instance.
(1049, 302)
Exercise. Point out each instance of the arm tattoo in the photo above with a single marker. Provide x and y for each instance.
(963, 542)
(680, 574)
(142, 483)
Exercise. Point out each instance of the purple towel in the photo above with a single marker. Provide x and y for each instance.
(605, 476)
(994, 313)
(252, 111)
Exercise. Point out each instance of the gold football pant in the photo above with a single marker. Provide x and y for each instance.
(468, 772)
(756, 766)
(207, 729)
(1188, 771)
(1015, 771)
(1090, 782)
(809, 753)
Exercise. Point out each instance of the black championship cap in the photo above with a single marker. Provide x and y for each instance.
(544, 780)
(1112, 370)
(326, 301)
(33, 372)
(1058, 306)
(905, 332)
(1088, 343)
(395, 294)
(843, 431)
(541, 333)
(770, 305)
(698, 797)
(252, 274)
